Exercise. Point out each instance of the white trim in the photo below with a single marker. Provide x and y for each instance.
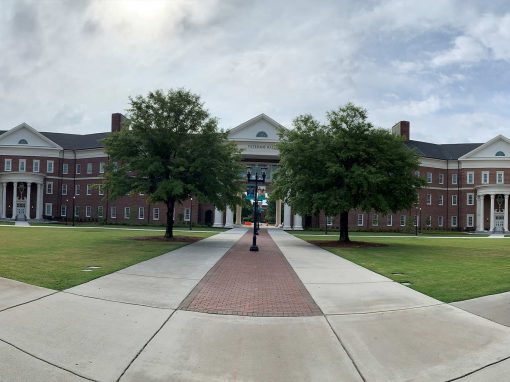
(32, 130)
(113, 212)
(468, 156)
(88, 211)
(141, 213)
(154, 213)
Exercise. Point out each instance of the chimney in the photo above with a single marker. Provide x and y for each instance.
(117, 119)
(402, 129)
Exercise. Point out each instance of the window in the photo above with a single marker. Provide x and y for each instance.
(8, 165)
(415, 221)
(500, 177)
(261, 134)
(187, 214)
(329, 221)
(63, 210)
(455, 179)
(89, 168)
(454, 200)
(470, 220)
(25, 142)
(89, 189)
(470, 178)
(485, 177)
(127, 212)
(113, 212)
(440, 200)
(360, 220)
(470, 199)
(48, 209)
(141, 213)
(417, 173)
(500, 154)
(100, 189)
(99, 211)
(402, 220)
(88, 211)
(49, 188)
(64, 189)
(429, 221)
(375, 220)
(429, 177)
(155, 213)
(389, 220)
(77, 189)
(22, 167)
(65, 168)
(49, 167)
(101, 167)
(77, 211)
(454, 221)
(440, 222)
(441, 178)
(78, 168)
(429, 199)
(36, 164)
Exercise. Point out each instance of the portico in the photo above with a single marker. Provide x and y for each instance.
(497, 198)
(21, 196)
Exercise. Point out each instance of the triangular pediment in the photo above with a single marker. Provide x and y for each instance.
(498, 148)
(260, 128)
(26, 136)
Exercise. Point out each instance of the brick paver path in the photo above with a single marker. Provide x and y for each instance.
(252, 284)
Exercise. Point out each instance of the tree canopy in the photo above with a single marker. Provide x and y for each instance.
(170, 148)
(345, 164)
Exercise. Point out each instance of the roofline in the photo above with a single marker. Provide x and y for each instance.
(31, 129)
(255, 119)
(486, 144)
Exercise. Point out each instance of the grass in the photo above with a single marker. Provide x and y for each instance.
(55, 258)
(448, 269)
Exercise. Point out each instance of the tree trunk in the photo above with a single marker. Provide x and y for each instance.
(169, 234)
(344, 227)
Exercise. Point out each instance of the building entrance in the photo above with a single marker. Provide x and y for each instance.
(499, 219)
(20, 211)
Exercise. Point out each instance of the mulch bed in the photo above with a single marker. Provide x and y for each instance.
(175, 239)
(352, 244)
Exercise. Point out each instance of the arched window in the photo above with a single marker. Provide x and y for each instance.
(500, 154)
(261, 134)
(22, 142)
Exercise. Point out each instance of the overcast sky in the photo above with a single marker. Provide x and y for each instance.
(444, 65)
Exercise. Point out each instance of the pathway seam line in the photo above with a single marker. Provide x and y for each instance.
(479, 369)
(116, 301)
(27, 302)
(387, 311)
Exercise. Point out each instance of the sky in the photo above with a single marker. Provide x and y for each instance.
(443, 65)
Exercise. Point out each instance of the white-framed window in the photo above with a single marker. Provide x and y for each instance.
(187, 214)
(329, 220)
(22, 165)
(141, 213)
(454, 200)
(49, 188)
(64, 189)
(402, 220)
(360, 220)
(88, 211)
(63, 210)
(100, 211)
(77, 189)
(440, 201)
(389, 220)
(470, 199)
(485, 177)
(441, 178)
(429, 199)
(8, 165)
(36, 165)
(500, 177)
(127, 212)
(454, 221)
(429, 177)
(78, 168)
(455, 178)
(113, 212)
(89, 189)
(428, 222)
(65, 168)
(415, 220)
(89, 168)
(375, 220)
(155, 213)
(48, 209)
(100, 189)
(417, 173)
(470, 220)
(77, 211)
(49, 167)
(440, 221)
(101, 167)
(470, 177)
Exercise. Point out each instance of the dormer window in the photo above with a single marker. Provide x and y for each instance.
(261, 134)
(25, 142)
(500, 154)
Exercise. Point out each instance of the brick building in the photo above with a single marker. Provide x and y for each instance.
(54, 176)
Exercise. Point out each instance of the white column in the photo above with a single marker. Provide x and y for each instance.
(286, 216)
(229, 218)
(298, 222)
(492, 213)
(505, 222)
(14, 198)
(39, 202)
(278, 214)
(482, 212)
(2, 206)
(218, 218)
(239, 212)
(27, 206)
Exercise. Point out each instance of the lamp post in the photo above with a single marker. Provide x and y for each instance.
(420, 220)
(256, 180)
(416, 219)
(73, 212)
(67, 212)
(190, 212)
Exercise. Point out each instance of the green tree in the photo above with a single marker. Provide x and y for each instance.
(171, 148)
(345, 164)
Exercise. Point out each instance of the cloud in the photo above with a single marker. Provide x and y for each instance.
(466, 50)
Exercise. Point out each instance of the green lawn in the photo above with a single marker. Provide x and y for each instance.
(447, 269)
(55, 257)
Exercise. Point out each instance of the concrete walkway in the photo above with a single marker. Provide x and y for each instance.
(125, 326)
(495, 307)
